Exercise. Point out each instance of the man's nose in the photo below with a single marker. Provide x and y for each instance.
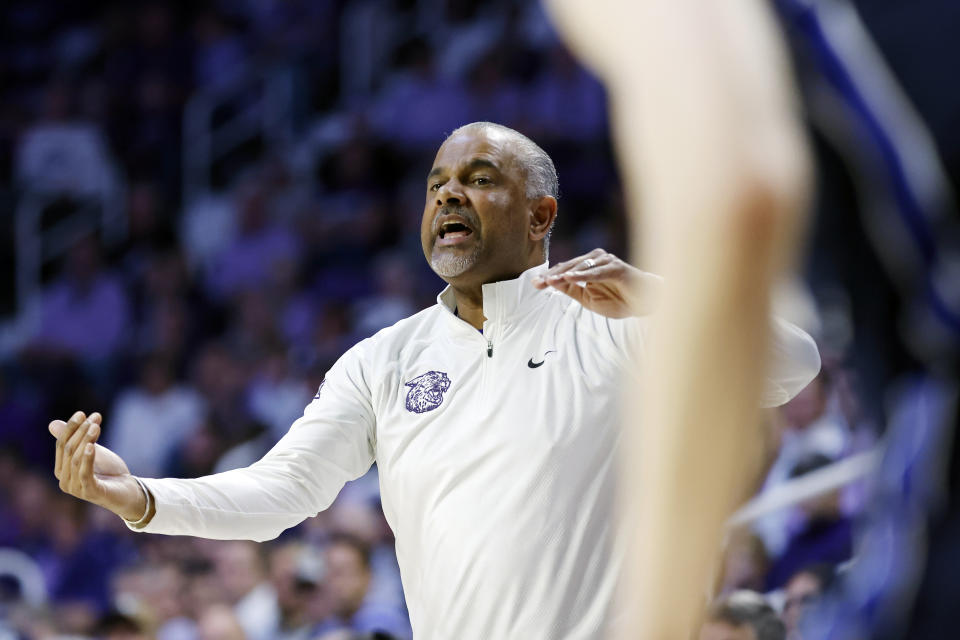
(450, 193)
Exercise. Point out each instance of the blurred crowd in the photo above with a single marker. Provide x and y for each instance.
(203, 333)
(206, 327)
(787, 559)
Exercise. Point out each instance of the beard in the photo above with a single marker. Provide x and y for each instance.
(448, 264)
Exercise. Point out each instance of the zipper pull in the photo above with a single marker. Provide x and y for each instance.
(489, 348)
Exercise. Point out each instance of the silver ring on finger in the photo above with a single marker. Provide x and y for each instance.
(589, 263)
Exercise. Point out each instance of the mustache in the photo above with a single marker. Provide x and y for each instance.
(455, 210)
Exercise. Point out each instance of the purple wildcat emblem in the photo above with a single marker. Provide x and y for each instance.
(426, 391)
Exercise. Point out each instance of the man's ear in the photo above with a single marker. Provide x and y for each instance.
(543, 211)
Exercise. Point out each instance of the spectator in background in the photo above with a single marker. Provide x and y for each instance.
(85, 312)
(286, 196)
(12, 469)
(254, 328)
(18, 433)
(743, 615)
(348, 579)
(155, 594)
(350, 221)
(145, 67)
(416, 102)
(61, 154)
(203, 591)
(208, 227)
(79, 558)
(158, 117)
(822, 532)
(493, 95)
(393, 297)
(745, 563)
(333, 333)
(298, 308)
(149, 228)
(241, 567)
(165, 323)
(132, 591)
(249, 262)
(295, 573)
(253, 445)
(571, 104)
(276, 395)
(813, 427)
(201, 448)
(218, 622)
(802, 590)
(32, 502)
(221, 380)
(466, 34)
(165, 594)
(118, 626)
(221, 55)
(173, 410)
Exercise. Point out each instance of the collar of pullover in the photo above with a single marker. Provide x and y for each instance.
(501, 300)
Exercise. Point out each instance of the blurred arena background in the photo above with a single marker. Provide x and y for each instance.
(202, 205)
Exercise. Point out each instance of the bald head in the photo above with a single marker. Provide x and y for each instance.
(539, 172)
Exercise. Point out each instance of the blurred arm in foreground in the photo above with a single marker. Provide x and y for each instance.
(717, 173)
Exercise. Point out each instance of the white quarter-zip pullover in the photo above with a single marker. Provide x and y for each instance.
(496, 458)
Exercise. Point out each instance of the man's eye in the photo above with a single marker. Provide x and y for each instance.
(481, 180)
(435, 186)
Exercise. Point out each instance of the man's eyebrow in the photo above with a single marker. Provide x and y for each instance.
(482, 162)
(475, 163)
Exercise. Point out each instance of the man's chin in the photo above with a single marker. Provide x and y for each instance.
(452, 264)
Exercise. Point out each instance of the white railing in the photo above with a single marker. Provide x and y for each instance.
(265, 100)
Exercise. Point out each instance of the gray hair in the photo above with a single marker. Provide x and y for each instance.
(539, 172)
(749, 608)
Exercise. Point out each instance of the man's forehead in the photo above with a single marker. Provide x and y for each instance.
(485, 146)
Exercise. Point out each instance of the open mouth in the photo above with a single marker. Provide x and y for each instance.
(452, 230)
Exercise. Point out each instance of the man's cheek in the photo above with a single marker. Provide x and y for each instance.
(426, 237)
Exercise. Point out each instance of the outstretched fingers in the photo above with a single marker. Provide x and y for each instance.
(85, 473)
(66, 439)
(56, 428)
(555, 274)
(76, 476)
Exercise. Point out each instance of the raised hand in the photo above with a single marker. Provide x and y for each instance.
(604, 283)
(92, 472)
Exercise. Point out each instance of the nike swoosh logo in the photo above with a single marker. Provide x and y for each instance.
(534, 365)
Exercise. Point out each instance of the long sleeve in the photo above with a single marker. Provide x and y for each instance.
(793, 362)
(793, 358)
(331, 444)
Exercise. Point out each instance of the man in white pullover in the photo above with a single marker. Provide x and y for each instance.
(492, 416)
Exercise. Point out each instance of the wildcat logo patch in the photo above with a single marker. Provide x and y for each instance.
(426, 391)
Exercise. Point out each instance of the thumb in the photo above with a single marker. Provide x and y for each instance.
(56, 428)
